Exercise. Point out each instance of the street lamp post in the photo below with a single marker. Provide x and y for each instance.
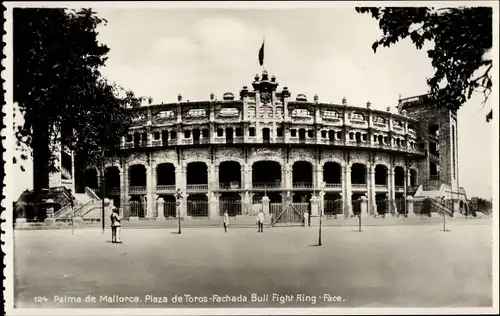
(178, 201)
(321, 213)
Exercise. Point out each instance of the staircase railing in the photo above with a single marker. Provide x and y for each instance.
(85, 208)
(62, 211)
(441, 206)
(92, 193)
(66, 173)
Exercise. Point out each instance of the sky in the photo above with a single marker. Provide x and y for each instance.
(193, 52)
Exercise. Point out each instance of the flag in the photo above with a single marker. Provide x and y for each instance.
(261, 54)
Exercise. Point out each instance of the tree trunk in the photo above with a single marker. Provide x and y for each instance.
(41, 157)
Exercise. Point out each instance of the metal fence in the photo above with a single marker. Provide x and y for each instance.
(136, 209)
(333, 207)
(170, 209)
(288, 215)
(356, 206)
(233, 207)
(422, 207)
(197, 208)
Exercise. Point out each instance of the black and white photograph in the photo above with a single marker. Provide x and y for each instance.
(167, 158)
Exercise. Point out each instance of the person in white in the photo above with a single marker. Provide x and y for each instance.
(115, 226)
(260, 221)
(306, 218)
(225, 219)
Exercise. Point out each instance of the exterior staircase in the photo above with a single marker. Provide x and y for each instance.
(84, 203)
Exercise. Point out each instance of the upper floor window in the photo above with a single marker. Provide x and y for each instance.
(129, 138)
(331, 114)
(266, 111)
(139, 117)
(357, 116)
(220, 132)
(323, 134)
(156, 135)
(398, 124)
(229, 112)
(251, 131)
(196, 113)
(251, 111)
(301, 113)
(378, 119)
(293, 133)
(165, 114)
(187, 134)
(279, 111)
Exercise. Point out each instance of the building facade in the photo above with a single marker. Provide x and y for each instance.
(230, 153)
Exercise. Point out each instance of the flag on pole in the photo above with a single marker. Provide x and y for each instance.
(261, 54)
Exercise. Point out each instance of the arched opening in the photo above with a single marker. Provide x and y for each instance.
(399, 176)
(266, 174)
(413, 177)
(196, 136)
(169, 206)
(302, 134)
(434, 130)
(112, 181)
(381, 202)
(230, 202)
(274, 197)
(197, 175)
(356, 203)
(358, 137)
(137, 139)
(164, 137)
(137, 205)
(266, 135)
(380, 175)
(91, 180)
(358, 174)
(331, 135)
(165, 177)
(332, 173)
(333, 204)
(197, 205)
(229, 175)
(229, 135)
(302, 174)
(301, 196)
(137, 176)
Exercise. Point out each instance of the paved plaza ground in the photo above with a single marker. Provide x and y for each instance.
(383, 266)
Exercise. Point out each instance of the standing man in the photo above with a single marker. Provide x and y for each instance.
(115, 226)
(225, 219)
(260, 221)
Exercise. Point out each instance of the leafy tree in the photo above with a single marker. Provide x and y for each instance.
(60, 90)
(462, 39)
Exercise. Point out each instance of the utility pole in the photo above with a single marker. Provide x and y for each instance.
(178, 201)
(321, 213)
(103, 189)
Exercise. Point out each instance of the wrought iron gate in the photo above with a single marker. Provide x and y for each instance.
(233, 207)
(333, 208)
(288, 215)
(197, 208)
(136, 209)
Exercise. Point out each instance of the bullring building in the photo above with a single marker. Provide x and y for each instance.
(228, 153)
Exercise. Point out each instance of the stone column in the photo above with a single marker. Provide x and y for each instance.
(391, 191)
(154, 183)
(213, 200)
(124, 196)
(409, 205)
(314, 211)
(149, 192)
(372, 205)
(183, 206)
(160, 206)
(248, 177)
(364, 205)
(213, 176)
(348, 191)
(319, 176)
(265, 206)
(244, 203)
(288, 181)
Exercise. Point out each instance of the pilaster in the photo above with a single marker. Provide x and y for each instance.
(149, 192)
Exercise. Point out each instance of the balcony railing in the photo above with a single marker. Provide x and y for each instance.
(358, 186)
(219, 140)
(157, 142)
(380, 186)
(165, 188)
(113, 190)
(305, 185)
(137, 190)
(333, 186)
(197, 187)
(238, 140)
(229, 185)
(280, 139)
(266, 185)
(400, 188)
(434, 177)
